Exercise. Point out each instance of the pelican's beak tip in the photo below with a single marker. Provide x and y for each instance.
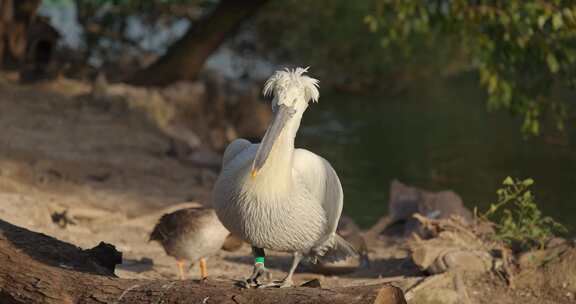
(253, 173)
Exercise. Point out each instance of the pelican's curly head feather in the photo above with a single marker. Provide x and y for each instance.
(288, 85)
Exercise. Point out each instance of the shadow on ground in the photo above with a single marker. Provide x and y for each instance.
(379, 268)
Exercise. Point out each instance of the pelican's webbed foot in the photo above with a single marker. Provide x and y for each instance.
(278, 284)
(260, 276)
(287, 282)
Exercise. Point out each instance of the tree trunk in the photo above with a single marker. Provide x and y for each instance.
(6, 13)
(35, 268)
(185, 58)
(15, 19)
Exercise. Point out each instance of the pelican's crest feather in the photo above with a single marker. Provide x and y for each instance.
(286, 79)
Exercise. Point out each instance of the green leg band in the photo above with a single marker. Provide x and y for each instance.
(259, 260)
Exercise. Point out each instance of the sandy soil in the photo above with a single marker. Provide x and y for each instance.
(111, 172)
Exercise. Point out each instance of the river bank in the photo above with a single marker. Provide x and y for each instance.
(82, 169)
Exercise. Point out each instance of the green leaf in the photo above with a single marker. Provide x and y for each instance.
(557, 21)
(528, 182)
(385, 42)
(492, 84)
(492, 208)
(542, 21)
(508, 181)
(372, 23)
(568, 13)
(535, 127)
(552, 63)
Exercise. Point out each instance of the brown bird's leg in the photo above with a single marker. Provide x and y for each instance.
(203, 269)
(180, 264)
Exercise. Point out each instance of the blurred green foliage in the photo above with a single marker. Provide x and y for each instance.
(518, 220)
(129, 3)
(331, 37)
(523, 50)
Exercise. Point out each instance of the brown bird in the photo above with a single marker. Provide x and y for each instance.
(190, 234)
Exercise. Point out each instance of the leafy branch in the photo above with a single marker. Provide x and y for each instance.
(517, 218)
(523, 50)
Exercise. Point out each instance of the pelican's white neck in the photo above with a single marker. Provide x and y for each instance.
(278, 167)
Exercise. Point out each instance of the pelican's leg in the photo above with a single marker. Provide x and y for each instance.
(259, 271)
(203, 269)
(180, 264)
(287, 281)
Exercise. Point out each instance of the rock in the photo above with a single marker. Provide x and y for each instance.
(557, 272)
(531, 259)
(390, 295)
(556, 241)
(452, 247)
(436, 296)
(445, 204)
(425, 256)
(539, 257)
(438, 259)
(405, 201)
(465, 260)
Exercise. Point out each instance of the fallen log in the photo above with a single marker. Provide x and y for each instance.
(36, 268)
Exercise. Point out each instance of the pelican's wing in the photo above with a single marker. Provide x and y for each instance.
(233, 149)
(318, 176)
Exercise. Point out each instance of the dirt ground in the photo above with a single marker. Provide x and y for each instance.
(110, 170)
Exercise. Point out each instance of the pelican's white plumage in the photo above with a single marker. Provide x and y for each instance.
(275, 196)
(281, 82)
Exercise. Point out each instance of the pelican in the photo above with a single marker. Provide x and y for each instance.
(277, 197)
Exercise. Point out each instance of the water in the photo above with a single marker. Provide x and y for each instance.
(438, 135)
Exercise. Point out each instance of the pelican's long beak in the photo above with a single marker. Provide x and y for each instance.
(279, 121)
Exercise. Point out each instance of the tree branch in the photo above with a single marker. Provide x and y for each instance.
(35, 268)
(185, 58)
